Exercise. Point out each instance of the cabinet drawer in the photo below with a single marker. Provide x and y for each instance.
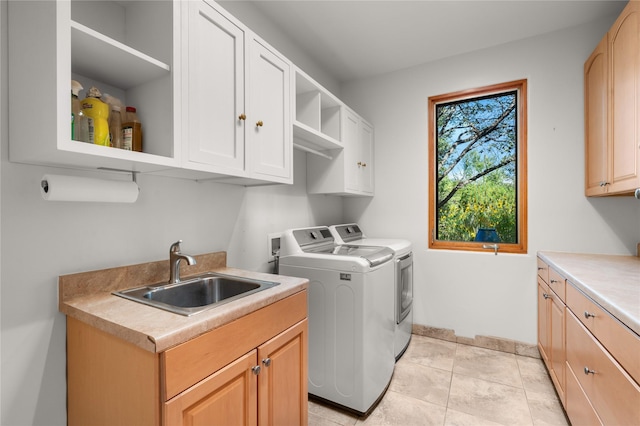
(186, 364)
(579, 409)
(557, 283)
(613, 394)
(543, 270)
(622, 343)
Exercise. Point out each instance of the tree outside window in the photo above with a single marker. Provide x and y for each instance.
(477, 169)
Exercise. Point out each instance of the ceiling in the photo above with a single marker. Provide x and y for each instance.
(360, 38)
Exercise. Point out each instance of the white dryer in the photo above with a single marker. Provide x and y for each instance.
(351, 323)
(351, 233)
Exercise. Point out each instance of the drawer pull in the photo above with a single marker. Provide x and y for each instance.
(540, 268)
(256, 369)
(589, 314)
(266, 362)
(545, 295)
(587, 371)
(554, 281)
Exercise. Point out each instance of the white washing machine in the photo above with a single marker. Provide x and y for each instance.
(403, 259)
(351, 323)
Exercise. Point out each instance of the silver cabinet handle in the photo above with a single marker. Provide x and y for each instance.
(588, 314)
(256, 370)
(554, 281)
(587, 371)
(545, 295)
(266, 362)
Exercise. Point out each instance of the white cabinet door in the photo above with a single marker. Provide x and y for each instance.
(215, 90)
(350, 139)
(366, 157)
(268, 125)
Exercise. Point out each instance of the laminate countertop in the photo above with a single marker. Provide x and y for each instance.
(611, 281)
(88, 297)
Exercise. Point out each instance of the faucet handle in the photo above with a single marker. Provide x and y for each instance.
(175, 247)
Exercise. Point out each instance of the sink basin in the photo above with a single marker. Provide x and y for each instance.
(196, 294)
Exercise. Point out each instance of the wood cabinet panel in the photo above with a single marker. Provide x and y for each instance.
(622, 343)
(198, 358)
(283, 379)
(624, 57)
(595, 116)
(612, 392)
(578, 407)
(558, 349)
(544, 332)
(109, 381)
(557, 283)
(227, 397)
(543, 270)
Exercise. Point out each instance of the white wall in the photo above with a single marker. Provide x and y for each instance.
(42, 240)
(479, 293)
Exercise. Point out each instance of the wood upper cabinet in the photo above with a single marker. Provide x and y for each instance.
(624, 57)
(237, 99)
(612, 136)
(595, 116)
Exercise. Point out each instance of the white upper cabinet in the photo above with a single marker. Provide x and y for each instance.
(126, 49)
(348, 171)
(268, 123)
(237, 101)
(214, 91)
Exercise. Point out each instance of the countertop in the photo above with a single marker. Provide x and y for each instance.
(612, 281)
(88, 297)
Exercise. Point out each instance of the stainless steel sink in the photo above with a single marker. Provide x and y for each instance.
(196, 294)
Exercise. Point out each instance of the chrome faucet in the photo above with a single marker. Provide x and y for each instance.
(174, 262)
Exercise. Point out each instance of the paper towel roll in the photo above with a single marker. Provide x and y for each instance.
(72, 188)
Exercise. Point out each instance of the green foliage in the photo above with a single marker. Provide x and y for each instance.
(476, 168)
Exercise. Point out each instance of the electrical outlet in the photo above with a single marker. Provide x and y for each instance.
(273, 242)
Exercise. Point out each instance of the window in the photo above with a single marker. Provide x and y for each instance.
(478, 169)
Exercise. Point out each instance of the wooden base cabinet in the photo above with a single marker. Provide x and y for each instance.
(251, 371)
(551, 325)
(592, 357)
(267, 386)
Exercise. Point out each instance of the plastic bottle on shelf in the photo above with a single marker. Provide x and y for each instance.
(115, 127)
(75, 106)
(132, 131)
(93, 107)
(115, 119)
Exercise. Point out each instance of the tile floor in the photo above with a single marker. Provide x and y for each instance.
(443, 383)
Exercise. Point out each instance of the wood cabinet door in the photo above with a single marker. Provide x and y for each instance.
(624, 57)
(558, 346)
(282, 383)
(227, 397)
(214, 87)
(595, 116)
(268, 125)
(544, 333)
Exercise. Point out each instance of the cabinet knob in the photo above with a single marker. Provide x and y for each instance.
(587, 371)
(364, 164)
(259, 123)
(255, 370)
(588, 314)
(604, 183)
(242, 117)
(545, 295)
(266, 362)
(361, 164)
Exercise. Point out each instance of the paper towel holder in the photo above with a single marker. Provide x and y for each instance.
(133, 172)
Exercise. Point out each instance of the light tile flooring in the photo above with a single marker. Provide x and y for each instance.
(443, 383)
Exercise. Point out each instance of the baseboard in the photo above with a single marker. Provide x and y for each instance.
(488, 342)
